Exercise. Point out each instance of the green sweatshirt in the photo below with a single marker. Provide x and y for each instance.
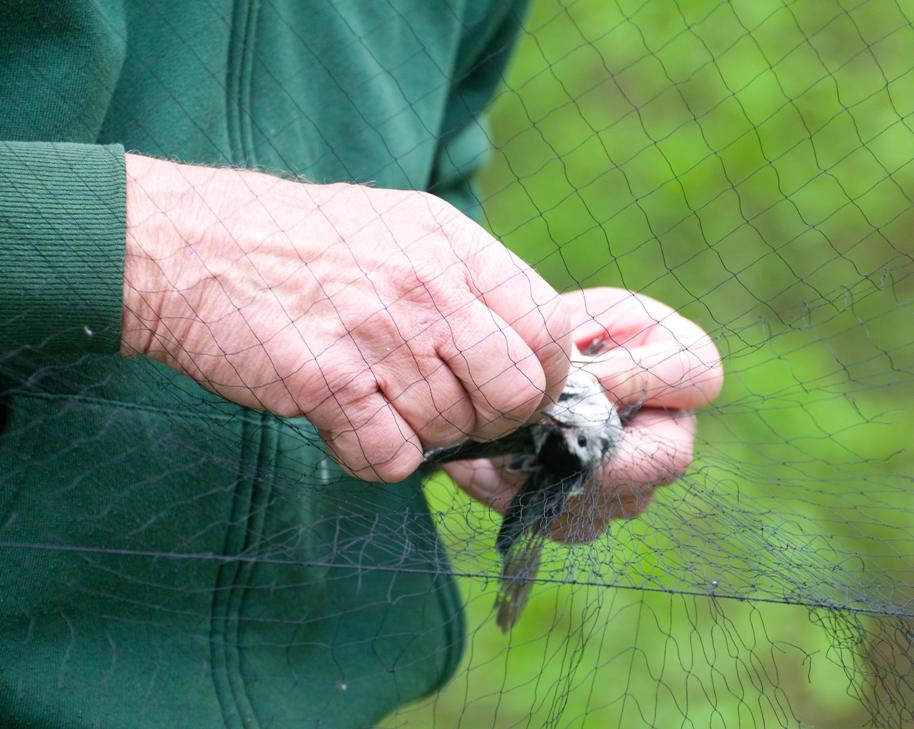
(168, 559)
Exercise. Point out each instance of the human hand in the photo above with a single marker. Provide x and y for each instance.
(388, 319)
(651, 357)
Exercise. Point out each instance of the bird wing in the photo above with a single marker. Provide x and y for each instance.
(539, 501)
(521, 441)
(521, 538)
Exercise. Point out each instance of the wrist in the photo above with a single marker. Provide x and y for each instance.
(142, 290)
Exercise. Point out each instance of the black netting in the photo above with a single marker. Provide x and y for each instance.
(178, 544)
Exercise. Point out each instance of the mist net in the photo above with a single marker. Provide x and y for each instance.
(748, 164)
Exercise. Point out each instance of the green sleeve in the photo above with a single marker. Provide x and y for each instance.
(464, 143)
(62, 221)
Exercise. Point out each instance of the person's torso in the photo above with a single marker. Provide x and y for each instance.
(170, 558)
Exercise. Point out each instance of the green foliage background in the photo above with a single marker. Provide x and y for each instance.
(750, 163)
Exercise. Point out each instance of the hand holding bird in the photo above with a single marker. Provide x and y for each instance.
(638, 352)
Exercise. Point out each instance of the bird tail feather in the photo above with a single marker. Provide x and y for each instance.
(519, 566)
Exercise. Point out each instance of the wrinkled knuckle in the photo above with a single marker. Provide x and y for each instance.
(351, 389)
(444, 281)
(449, 427)
(404, 278)
(426, 270)
(386, 454)
(367, 419)
(332, 376)
(520, 397)
(456, 417)
(461, 420)
(425, 286)
(437, 436)
(399, 466)
(436, 418)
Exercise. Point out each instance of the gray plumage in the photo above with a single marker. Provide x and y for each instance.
(559, 454)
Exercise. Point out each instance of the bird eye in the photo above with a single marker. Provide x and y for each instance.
(582, 440)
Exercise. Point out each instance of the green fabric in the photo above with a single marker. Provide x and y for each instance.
(61, 245)
(168, 558)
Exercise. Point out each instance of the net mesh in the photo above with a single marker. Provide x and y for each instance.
(748, 164)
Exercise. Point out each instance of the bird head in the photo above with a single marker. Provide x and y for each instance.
(586, 418)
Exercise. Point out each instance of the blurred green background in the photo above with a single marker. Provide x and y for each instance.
(749, 163)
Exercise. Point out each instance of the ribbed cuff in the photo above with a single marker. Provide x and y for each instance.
(62, 222)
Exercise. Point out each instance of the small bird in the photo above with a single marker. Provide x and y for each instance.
(559, 454)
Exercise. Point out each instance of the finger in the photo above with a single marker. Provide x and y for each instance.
(661, 374)
(373, 441)
(655, 450)
(428, 396)
(391, 344)
(339, 393)
(503, 378)
(434, 404)
(520, 297)
(487, 481)
(600, 306)
(651, 354)
(629, 318)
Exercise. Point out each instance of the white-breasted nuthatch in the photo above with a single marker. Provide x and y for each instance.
(559, 454)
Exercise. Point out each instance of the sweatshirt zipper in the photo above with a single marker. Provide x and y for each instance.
(254, 464)
(239, 81)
